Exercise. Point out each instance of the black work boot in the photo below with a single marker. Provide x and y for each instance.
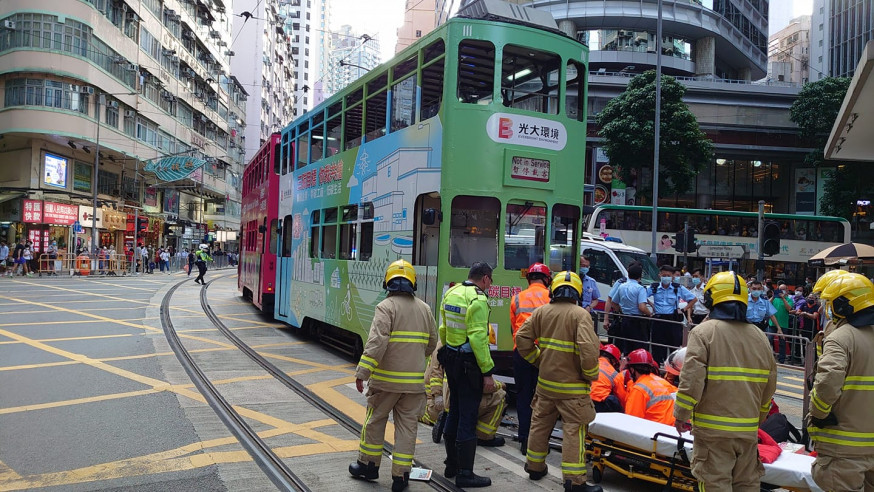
(536, 475)
(466, 478)
(437, 431)
(400, 483)
(451, 461)
(583, 487)
(494, 442)
(368, 472)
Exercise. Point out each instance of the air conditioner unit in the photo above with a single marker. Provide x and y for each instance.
(189, 35)
(174, 60)
(112, 104)
(229, 53)
(130, 113)
(198, 95)
(9, 24)
(131, 67)
(130, 17)
(86, 89)
(167, 52)
(203, 118)
(233, 144)
(214, 34)
(119, 59)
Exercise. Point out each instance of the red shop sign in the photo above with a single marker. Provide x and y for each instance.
(60, 213)
(31, 212)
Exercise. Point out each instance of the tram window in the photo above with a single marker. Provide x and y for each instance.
(303, 150)
(365, 250)
(432, 89)
(350, 213)
(377, 84)
(473, 230)
(375, 110)
(318, 142)
(405, 67)
(575, 90)
(329, 215)
(329, 241)
(274, 151)
(354, 98)
(476, 71)
(314, 233)
(353, 126)
(563, 243)
(433, 51)
(524, 234)
(348, 247)
(287, 229)
(368, 210)
(334, 134)
(403, 103)
(273, 236)
(529, 79)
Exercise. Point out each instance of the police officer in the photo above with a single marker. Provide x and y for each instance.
(760, 310)
(666, 296)
(200, 259)
(728, 378)
(402, 334)
(631, 297)
(591, 294)
(525, 373)
(568, 359)
(839, 421)
(465, 356)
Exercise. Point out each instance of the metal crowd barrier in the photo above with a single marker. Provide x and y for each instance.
(70, 264)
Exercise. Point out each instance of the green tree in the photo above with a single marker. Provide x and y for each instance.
(815, 112)
(628, 127)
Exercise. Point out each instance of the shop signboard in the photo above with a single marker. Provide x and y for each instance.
(151, 197)
(82, 177)
(171, 202)
(31, 211)
(59, 213)
(55, 171)
(86, 215)
(174, 168)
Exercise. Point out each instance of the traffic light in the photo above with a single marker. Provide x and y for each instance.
(680, 242)
(142, 224)
(691, 245)
(771, 238)
(167, 230)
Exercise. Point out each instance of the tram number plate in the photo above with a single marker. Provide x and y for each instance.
(530, 169)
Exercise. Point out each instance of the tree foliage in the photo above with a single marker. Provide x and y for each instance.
(850, 182)
(628, 128)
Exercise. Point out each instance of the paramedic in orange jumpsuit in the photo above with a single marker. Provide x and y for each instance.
(650, 397)
(608, 392)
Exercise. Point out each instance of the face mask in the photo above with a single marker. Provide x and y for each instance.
(696, 280)
(755, 293)
(584, 270)
(667, 280)
(798, 292)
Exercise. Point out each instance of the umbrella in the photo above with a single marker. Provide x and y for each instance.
(846, 251)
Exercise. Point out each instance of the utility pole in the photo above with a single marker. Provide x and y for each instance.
(101, 99)
(658, 124)
(760, 264)
(686, 243)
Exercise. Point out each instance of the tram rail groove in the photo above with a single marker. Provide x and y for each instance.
(437, 482)
(272, 465)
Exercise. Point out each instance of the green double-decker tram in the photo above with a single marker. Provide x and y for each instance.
(467, 146)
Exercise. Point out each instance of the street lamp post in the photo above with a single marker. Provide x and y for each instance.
(658, 111)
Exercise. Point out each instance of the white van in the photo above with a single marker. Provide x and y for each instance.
(609, 260)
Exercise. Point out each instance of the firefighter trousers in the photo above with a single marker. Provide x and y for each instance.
(850, 474)
(491, 409)
(575, 414)
(727, 465)
(405, 409)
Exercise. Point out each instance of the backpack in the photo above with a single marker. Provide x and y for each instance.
(779, 427)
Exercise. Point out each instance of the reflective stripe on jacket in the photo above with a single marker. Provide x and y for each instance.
(609, 381)
(651, 398)
(844, 386)
(729, 376)
(568, 351)
(402, 335)
(524, 303)
(464, 317)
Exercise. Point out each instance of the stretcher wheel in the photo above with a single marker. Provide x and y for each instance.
(597, 474)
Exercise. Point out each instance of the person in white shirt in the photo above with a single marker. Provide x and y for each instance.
(699, 312)
(165, 261)
(4, 257)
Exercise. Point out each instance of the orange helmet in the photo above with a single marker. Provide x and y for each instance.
(538, 268)
(611, 350)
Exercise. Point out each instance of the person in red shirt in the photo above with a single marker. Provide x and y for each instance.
(608, 392)
(650, 397)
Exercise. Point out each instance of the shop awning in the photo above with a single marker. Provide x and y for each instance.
(852, 137)
(5, 196)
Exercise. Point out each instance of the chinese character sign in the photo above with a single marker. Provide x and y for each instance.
(530, 169)
(31, 211)
(60, 213)
(173, 168)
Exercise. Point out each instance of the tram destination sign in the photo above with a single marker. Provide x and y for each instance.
(530, 169)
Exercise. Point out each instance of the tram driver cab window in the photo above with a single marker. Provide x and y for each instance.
(473, 230)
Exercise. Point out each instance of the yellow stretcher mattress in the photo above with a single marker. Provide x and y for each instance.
(791, 470)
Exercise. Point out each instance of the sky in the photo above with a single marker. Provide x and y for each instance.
(782, 11)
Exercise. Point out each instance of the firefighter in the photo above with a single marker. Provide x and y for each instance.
(491, 408)
(650, 397)
(608, 391)
(402, 334)
(567, 356)
(200, 259)
(525, 373)
(467, 361)
(839, 420)
(674, 365)
(729, 376)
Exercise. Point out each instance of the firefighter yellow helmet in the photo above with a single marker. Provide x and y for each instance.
(400, 269)
(566, 278)
(724, 287)
(827, 278)
(848, 294)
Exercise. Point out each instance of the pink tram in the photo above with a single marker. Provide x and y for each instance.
(257, 268)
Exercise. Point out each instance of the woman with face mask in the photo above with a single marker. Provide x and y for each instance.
(760, 310)
(699, 310)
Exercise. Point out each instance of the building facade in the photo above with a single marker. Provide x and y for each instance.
(420, 18)
(304, 22)
(264, 66)
(352, 56)
(839, 31)
(789, 52)
(96, 93)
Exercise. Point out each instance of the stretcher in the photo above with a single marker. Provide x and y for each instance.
(651, 451)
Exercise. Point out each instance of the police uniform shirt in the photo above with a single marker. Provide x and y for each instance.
(614, 291)
(667, 299)
(759, 309)
(630, 294)
(590, 291)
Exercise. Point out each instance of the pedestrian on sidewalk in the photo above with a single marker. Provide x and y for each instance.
(201, 257)
(4, 258)
(165, 261)
(191, 259)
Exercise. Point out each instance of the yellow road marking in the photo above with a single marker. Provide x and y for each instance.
(797, 386)
(77, 401)
(7, 473)
(39, 366)
(789, 393)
